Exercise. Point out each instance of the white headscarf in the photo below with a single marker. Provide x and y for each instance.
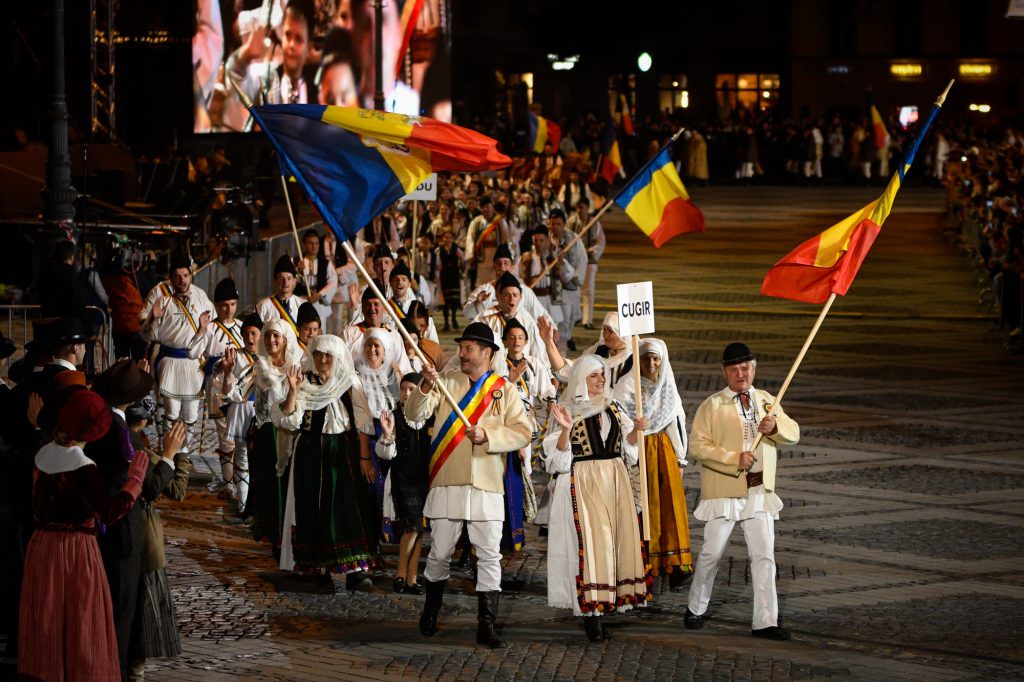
(611, 320)
(380, 384)
(268, 375)
(660, 397)
(317, 396)
(576, 398)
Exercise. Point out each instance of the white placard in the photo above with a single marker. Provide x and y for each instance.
(425, 191)
(636, 308)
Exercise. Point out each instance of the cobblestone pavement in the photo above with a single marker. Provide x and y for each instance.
(899, 550)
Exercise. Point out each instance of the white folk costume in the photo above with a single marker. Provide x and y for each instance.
(547, 289)
(220, 335)
(722, 429)
(595, 555)
(572, 281)
(482, 239)
(617, 365)
(665, 453)
(320, 275)
(465, 480)
(530, 302)
(535, 348)
(238, 392)
(178, 369)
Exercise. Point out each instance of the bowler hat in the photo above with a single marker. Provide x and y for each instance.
(735, 353)
(123, 383)
(479, 332)
(68, 330)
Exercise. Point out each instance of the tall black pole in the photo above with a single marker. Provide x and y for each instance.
(59, 195)
(378, 54)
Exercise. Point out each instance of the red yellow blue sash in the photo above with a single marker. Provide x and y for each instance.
(283, 313)
(476, 401)
(491, 227)
(184, 308)
(234, 341)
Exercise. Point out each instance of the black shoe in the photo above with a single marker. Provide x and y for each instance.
(487, 614)
(513, 585)
(677, 579)
(773, 632)
(431, 606)
(594, 629)
(398, 585)
(413, 588)
(693, 621)
(358, 581)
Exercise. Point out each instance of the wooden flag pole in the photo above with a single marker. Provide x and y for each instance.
(645, 508)
(402, 330)
(291, 215)
(796, 363)
(593, 221)
(415, 235)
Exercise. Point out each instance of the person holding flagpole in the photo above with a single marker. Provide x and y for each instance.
(737, 485)
(466, 468)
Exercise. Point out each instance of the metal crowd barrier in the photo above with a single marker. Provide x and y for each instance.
(19, 318)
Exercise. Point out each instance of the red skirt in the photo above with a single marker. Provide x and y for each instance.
(67, 624)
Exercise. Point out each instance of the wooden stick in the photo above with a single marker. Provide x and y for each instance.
(645, 508)
(415, 234)
(401, 329)
(796, 363)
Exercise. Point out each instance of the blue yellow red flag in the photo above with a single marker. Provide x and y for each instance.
(353, 163)
(658, 202)
(543, 131)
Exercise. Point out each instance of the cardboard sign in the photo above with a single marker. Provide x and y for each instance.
(635, 308)
(425, 191)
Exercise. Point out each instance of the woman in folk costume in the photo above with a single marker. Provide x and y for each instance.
(324, 529)
(66, 618)
(406, 445)
(270, 446)
(595, 555)
(611, 347)
(665, 452)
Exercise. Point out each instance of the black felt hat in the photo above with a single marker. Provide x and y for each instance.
(225, 291)
(503, 252)
(401, 269)
(506, 280)
(252, 320)
(307, 313)
(513, 323)
(368, 292)
(284, 264)
(179, 260)
(735, 353)
(479, 332)
(68, 330)
(383, 251)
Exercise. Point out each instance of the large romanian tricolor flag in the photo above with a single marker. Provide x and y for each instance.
(878, 128)
(827, 263)
(542, 131)
(354, 163)
(658, 203)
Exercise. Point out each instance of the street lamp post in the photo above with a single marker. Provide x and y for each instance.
(378, 54)
(59, 195)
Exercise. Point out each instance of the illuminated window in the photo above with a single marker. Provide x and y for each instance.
(755, 91)
(906, 69)
(672, 92)
(976, 70)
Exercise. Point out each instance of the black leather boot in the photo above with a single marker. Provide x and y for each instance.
(487, 613)
(431, 606)
(594, 628)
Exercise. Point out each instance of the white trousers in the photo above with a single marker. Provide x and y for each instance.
(759, 532)
(188, 412)
(570, 313)
(485, 537)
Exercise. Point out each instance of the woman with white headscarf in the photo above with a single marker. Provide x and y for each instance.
(595, 555)
(324, 526)
(665, 452)
(279, 352)
(611, 347)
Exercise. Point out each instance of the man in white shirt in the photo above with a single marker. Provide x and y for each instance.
(577, 258)
(284, 304)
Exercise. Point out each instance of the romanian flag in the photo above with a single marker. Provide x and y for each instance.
(627, 118)
(878, 128)
(827, 263)
(354, 163)
(611, 163)
(542, 131)
(658, 203)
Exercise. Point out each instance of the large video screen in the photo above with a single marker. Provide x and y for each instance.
(248, 52)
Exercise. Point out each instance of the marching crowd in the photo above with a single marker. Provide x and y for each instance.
(334, 408)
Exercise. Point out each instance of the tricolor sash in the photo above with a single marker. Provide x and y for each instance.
(236, 342)
(184, 308)
(476, 401)
(283, 313)
(397, 308)
(488, 231)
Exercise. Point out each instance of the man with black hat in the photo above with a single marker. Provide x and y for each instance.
(224, 333)
(466, 469)
(284, 304)
(510, 296)
(737, 485)
(237, 387)
(309, 323)
(485, 296)
(175, 316)
(576, 257)
(485, 233)
(373, 316)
